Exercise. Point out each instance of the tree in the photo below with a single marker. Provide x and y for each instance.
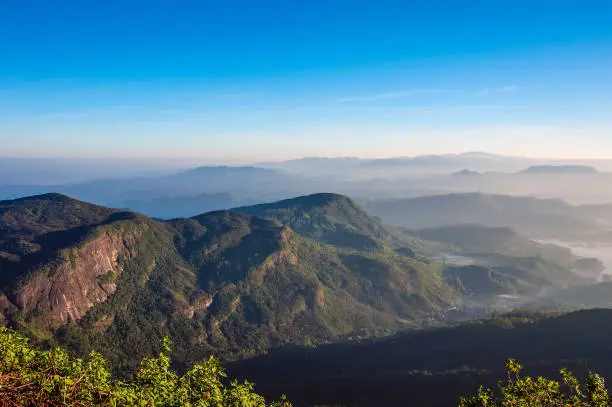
(527, 391)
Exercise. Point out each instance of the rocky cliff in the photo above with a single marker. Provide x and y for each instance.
(86, 277)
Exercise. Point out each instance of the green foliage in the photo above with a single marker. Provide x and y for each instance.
(529, 391)
(29, 376)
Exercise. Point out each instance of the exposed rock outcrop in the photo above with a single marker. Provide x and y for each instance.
(70, 289)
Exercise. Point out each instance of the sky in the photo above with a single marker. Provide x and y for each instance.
(246, 81)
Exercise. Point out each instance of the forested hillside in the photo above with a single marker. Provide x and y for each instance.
(225, 283)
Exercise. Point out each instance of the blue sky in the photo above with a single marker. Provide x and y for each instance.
(251, 80)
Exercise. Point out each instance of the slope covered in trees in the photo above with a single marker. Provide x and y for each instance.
(494, 261)
(333, 219)
(226, 283)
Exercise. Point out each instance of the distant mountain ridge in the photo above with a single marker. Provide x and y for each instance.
(244, 183)
(529, 216)
(498, 261)
(560, 169)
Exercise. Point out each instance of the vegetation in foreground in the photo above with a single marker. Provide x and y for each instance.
(31, 377)
(542, 392)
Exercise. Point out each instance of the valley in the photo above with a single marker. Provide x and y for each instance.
(601, 252)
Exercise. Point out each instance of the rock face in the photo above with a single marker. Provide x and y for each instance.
(202, 303)
(5, 308)
(59, 257)
(72, 288)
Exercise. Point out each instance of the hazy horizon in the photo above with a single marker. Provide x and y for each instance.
(245, 161)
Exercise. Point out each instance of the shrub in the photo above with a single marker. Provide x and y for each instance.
(527, 391)
(32, 377)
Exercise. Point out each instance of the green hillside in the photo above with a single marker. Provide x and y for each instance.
(333, 219)
(499, 240)
(224, 282)
(498, 261)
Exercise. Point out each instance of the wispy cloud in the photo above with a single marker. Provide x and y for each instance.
(421, 92)
(501, 89)
(395, 95)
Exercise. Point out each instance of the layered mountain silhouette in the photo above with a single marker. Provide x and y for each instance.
(560, 169)
(529, 216)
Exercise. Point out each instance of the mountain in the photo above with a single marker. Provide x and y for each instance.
(466, 172)
(229, 173)
(529, 216)
(560, 169)
(168, 207)
(452, 162)
(228, 283)
(433, 368)
(500, 260)
(317, 166)
(503, 269)
(476, 239)
(332, 219)
(576, 297)
(352, 168)
(244, 184)
(32, 228)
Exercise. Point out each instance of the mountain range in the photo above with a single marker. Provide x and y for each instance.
(170, 193)
(278, 279)
(529, 216)
(222, 282)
